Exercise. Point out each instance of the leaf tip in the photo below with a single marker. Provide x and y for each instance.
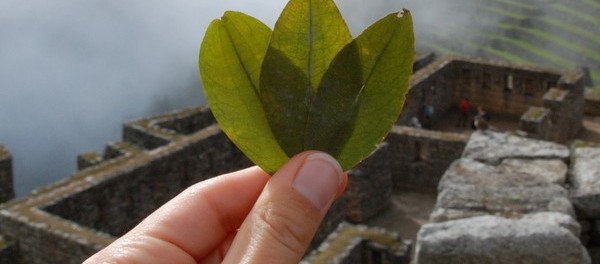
(401, 13)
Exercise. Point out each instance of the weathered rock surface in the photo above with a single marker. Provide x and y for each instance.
(585, 181)
(512, 189)
(545, 238)
(492, 147)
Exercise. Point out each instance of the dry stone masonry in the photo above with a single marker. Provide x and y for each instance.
(506, 201)
(535, 238)
(502, 190)
(351, 244)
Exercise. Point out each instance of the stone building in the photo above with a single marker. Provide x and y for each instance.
(159, 156)
(510, 199)
(550, 103)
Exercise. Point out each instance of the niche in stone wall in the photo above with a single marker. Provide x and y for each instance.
(465, 77)
(508, 83)
(486, 81)
(528, 88)
(421, 151)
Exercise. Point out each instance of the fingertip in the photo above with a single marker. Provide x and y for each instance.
(319, 179)
(343, 186)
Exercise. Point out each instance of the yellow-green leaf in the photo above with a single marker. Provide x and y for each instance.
(230, 61)
(310, 33)
(386, 52)
(306, 85)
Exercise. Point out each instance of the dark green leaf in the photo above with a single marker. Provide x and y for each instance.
(306, 38)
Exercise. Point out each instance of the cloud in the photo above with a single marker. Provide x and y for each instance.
(71, 72)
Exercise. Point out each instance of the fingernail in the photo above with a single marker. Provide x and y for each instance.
(319, 179)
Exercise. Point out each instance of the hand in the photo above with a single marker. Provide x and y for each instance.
(241, 217)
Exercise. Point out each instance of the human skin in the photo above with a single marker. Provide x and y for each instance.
(242, 217)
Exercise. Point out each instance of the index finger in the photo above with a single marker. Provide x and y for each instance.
(196, 221)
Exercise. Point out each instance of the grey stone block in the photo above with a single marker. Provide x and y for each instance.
(512, 189)
(585, 181)
(492, 147)
(546, 238)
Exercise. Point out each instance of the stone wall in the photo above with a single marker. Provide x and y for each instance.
(585, 194)
(148, 186)
(335, 216)
(428, 87)
(187, 121)
(117, 189)
(560, 119)
(592, 101)
(8, 252)
(7, 191)
(86, 211)
(505, 201)
(420, 157)
(500, 88)
(536, 122)
(369, 187)
(350, 244)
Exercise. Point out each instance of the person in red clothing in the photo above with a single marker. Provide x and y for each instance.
(465, 108)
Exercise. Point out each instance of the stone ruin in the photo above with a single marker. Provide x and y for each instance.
(510, 199)
(535, 191)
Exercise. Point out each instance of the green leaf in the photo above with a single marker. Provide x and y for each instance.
(306, 38)
(230, 61)
(306, 85)
(386, 53)
(363, 91)
(333, 112)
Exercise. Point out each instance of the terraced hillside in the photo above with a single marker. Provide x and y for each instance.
(560, 33)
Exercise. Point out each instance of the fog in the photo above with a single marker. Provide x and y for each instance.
(72, 71)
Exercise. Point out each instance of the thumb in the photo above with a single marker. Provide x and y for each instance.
(288, 212)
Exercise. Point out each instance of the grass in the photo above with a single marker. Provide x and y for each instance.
(541, 53)
(475, 42)
(502, 12)
(576, 14)
(517, 4)
(573, 29)
(127, 147)
(592, 3)
(593, 93)
(92, 156)
(593, 54)
(534, 50)
(535, 113)
(555, 94)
